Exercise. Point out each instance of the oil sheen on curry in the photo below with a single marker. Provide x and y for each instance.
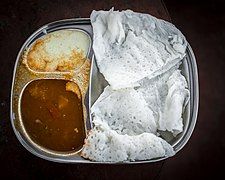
(52, 114)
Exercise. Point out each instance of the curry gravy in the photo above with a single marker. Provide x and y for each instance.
(52, 114)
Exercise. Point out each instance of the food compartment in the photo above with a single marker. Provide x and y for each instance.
(49, 109)
(51, 113)
(58, 51)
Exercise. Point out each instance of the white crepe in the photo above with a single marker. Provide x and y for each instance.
(125, 111)
(176, 100)
(106, 145)
(139, 56)
(129, 46)
(167, 95)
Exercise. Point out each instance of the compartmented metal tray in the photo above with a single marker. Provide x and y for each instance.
(96, 86)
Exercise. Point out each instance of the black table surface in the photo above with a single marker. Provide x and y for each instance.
(202, 24)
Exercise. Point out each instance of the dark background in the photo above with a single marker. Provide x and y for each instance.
(203, 24)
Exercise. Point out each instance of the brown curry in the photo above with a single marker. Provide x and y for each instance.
(52, 114)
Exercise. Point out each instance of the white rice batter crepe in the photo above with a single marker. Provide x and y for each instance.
(125, 111)
(139, 56)
(129, 46)
(104, 144)
(167, 95)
